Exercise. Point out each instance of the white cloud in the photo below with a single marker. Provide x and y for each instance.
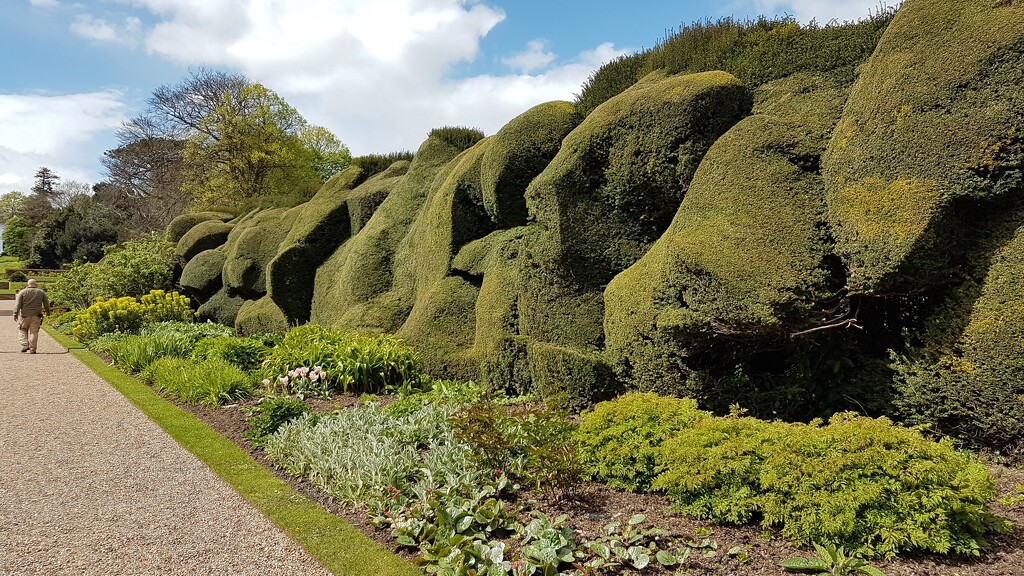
(823, 11)
(100, 30)
(59, 132)
(534, 58)
(377, 74)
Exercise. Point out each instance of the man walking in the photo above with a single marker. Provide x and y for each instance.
(29, 306)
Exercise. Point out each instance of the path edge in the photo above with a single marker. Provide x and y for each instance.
(336, 544)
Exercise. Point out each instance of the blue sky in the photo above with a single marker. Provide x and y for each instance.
(379, 74)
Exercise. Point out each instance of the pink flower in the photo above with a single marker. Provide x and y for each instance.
(266, 381)
(283, 380)
(302, 371)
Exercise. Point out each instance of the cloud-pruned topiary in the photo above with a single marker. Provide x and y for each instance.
(745, 257)
(201, 276)
(250, 250)
(206, 235)
(221, 308)
(353, 288)
(261, 316)
(185, 222)
(934, 120)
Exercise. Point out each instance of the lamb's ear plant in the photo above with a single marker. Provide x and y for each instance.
(833, 561)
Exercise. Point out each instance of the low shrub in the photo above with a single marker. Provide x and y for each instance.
(858, 482)
(453, 393)
(525, 443)
(620, 440)
(127, 269)
(351, 363)
(194, 331)
(270, 414)
(210, 382)
(356, 455)
(133, 353)
(246, 353)
(128, 314)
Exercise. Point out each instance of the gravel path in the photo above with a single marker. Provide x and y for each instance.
(90, 486)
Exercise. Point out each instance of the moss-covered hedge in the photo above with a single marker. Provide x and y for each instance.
(261, 317)
(930, 122)
(185, 222)
(201, 276)
(221, 308)
(206, 235)
(745, 257)
(251, 249)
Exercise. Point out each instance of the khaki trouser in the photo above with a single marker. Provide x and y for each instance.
(28, 333)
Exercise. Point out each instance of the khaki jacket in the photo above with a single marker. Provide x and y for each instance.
(31, 302)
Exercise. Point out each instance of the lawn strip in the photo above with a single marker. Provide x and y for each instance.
(336, 544)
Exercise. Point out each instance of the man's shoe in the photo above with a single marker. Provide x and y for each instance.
(32, 351)
(25, 349)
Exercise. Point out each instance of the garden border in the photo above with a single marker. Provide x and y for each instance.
(341, 548)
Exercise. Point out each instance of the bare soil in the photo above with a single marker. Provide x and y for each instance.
(595, 505)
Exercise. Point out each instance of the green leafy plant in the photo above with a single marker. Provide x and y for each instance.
(270, 414)
(245, 352)
(1016, 499)
(353, 363)
(210, 382)
(528, 443)
(627, 545)
(833, 561)
(547, 544)
(134, 353)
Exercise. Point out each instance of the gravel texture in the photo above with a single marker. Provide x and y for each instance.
(90, 486)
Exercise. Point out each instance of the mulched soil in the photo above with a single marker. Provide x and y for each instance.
(596, 505)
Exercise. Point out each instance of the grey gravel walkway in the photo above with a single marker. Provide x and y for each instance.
(90, 486)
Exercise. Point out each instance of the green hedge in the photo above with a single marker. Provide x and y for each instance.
(206, 235)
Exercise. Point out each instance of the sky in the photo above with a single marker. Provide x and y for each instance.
(379, 74)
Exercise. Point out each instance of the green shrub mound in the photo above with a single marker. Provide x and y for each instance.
(261, 317)
(932, 125)
(185, 222)
(201, 276)
(127, 269)
(351, 363)
(211, 382)
(974, 388)
(858, 482)
(516, 154)
(252, 248)
(620, 440)
(619, 176)
(353, 288)
(567, 378)
(441, 329)
(364, 200)
(206, 235)
(325, 222)
(246, 353)
(221, 308)
(744, 260)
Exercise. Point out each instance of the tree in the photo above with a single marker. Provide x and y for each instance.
(17, 233)
(40, 203)
(77, 232)
(11, 204)
(65, 192)
(218, 138)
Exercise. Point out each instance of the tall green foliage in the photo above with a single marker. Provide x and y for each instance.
(755, 51)
(128, 269)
